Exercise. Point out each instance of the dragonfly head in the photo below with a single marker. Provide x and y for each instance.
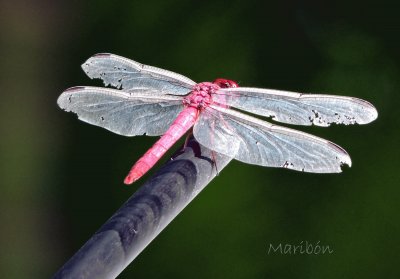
(225, 83)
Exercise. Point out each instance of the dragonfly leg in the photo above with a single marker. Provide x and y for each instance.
(189, 135)
(195, 146)
(214, 161)
(185, 144)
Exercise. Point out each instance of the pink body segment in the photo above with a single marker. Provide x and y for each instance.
(184, 121)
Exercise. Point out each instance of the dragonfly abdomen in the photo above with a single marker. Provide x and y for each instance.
(184, 121)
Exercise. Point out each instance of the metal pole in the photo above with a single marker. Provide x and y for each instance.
(118, 242)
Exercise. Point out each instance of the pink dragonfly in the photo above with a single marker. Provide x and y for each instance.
(152, 101)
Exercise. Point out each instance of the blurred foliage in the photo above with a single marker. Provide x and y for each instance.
(61, 179)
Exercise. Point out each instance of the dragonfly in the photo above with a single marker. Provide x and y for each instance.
(144, 100)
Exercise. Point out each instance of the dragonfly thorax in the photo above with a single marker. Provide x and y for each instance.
(201, 95)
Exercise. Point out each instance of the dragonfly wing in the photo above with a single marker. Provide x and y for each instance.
(123, 113)
(296, 108)
(254, 141)
(123, 73)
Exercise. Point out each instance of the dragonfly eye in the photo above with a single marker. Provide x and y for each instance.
(225, 83)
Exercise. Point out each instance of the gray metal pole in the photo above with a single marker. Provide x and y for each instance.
(117, 243)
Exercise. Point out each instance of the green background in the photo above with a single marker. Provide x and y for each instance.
(61, 179)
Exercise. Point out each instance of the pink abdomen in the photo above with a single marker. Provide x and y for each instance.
(179, 127)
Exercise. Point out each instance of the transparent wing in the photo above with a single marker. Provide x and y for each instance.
(123, 113)
(254, 141)
(123, 73)
(296, 108)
